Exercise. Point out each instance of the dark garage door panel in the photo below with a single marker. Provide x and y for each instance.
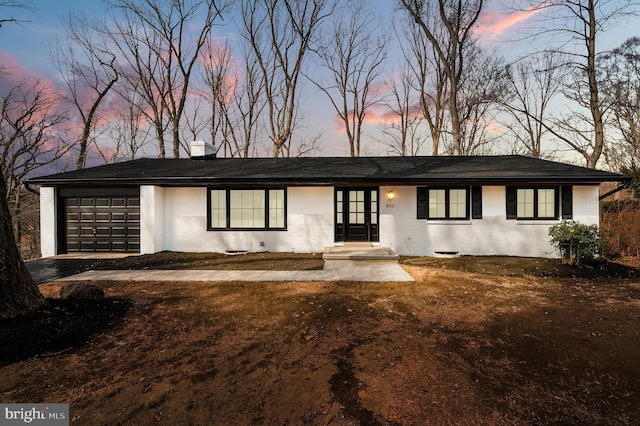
(102, 224)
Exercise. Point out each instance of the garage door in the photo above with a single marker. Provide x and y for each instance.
(102, 223)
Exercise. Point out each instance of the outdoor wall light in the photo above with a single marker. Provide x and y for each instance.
(390, 195)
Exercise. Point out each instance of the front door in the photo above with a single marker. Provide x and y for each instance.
(356, 214)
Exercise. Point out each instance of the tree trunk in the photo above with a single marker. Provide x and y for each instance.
(19, 295)
(176, 138)
(594, 101)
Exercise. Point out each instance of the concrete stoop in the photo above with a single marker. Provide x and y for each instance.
(359, 251)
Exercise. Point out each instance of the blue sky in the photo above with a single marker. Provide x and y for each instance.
(29, 41)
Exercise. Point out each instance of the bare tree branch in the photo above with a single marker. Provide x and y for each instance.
(280, 33)
(457, 18)
(162, 43)
(353, 55)
(575, 28)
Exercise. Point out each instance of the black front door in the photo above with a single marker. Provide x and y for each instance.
(356, 214)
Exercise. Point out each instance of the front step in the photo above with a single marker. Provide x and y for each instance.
(359, 251)
(357, 244)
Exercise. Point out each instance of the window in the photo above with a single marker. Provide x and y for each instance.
(458, 203)
(437, 204)
(247, 209)
(533, 203)
(218, 209)
(443, 203)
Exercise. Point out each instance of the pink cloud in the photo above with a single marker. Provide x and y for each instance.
(378, 89)
(14, 74)
(28, 87)
(493, 24)
(495, 127)
(377, 114)
(217, 58)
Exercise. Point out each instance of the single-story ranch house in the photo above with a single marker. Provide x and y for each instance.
(483, 205)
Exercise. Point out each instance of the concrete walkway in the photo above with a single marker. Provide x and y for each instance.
(334, 270)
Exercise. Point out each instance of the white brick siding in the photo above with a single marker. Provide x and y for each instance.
(152, 223)
(182, 223)
(176, 219)
(492, 235)
(48, 222)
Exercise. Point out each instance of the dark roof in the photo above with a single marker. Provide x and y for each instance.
(329, 171)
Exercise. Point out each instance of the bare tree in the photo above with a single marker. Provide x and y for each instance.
(280, 33)
(620, 76)
(430, 78)
(532, 83)
(451, 46)
(353, 52)
(127, 130)
(194, 122)
(402, 134)
(19, 295)
(27, 140)
(482, 87)
(234, 91)
(141, 72)
(576, 28)
(28, 137)
(20, 4)
(88, 69)
(162, 42)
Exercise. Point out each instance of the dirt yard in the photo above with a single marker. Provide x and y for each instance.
(472, 341)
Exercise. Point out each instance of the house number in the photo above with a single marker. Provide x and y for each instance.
(390, 206)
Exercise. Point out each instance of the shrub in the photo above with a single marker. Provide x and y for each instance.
(576, 242)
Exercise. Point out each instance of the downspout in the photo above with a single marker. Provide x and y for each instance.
(30, 189)
(625, 185)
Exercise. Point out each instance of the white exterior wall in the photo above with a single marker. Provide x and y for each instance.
(48, 222)
(586, 204)
(179, 223)
(152, 223)
(176, 219)
(492, 235)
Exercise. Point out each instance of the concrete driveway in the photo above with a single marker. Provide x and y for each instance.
(334, 270)
(57, 267)
(341, 264)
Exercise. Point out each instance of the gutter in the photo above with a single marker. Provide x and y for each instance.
(321, 181)
(625, 185)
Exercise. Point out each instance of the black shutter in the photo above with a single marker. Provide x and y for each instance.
(476, 202)
(567, 202)
(511, 202)
(422, 203)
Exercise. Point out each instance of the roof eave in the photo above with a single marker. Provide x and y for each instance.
(212, 181)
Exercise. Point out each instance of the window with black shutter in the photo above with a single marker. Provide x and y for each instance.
(567, 202)
(532, 203)
(476, 202)
(443, 203)
(422, 203)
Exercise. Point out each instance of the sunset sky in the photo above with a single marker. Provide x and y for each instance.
(24, 50)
